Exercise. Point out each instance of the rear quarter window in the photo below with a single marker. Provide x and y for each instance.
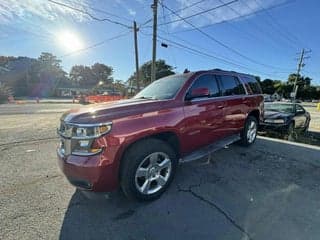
(230, 85)
(253, 84)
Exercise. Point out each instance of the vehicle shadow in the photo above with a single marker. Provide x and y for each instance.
(90, 217)
(267, 191)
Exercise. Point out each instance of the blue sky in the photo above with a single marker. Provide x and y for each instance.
(262, 42)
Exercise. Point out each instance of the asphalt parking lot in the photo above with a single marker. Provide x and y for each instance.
(268, 191)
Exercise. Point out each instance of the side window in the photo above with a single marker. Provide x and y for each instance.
(207, 81)
(231, 85)
(253, 84)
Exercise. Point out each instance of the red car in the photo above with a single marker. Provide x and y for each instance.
(138, 143)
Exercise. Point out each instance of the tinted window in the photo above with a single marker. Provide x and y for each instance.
(230, 85)
(253, 84)
(207, 81)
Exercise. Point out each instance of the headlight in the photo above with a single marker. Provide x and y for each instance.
(90, 131)
(274, 120)
(80, 137)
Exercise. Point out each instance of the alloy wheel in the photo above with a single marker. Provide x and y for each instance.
(252, 131)
(153, 173)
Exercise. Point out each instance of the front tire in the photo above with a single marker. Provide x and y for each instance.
(249, 132)
(291, 133)
(148, 169)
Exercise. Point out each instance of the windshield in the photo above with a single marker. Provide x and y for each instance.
(276, 107)
(164, 88)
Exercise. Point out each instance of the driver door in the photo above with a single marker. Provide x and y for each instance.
(203, 115)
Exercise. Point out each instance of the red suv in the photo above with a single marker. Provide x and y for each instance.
(138, 143)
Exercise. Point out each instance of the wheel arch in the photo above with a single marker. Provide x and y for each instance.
(256, 114)
(169, 137)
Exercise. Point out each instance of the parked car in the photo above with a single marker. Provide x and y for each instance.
(285, 118)
(137, 143)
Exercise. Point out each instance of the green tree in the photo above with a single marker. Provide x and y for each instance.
(82, 76)
(163, 70)
(45, 75)
(89, 77)
(301, 81)
(102, 73)
(5, 92)
(267, 86)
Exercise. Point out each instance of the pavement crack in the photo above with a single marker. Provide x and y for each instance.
(28, 141)
(214, 205)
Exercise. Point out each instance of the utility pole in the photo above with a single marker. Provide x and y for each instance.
(135, 30)
(154, 6)
(300, 65)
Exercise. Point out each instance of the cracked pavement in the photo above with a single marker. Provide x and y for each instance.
(268, 191)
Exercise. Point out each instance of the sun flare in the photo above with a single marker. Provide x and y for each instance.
(69, 41)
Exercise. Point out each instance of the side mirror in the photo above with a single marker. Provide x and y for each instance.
(198, 92)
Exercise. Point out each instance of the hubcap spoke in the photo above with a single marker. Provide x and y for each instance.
(252, 132)
(165, 164)
(146, 186)
(153, 173)
(153, 159)
(161, 180)
(142, 172)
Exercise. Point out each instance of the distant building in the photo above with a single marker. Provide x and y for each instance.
(71, 91)
(276, 97)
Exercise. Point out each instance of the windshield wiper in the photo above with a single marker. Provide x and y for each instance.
(272, 110)
(149, 98)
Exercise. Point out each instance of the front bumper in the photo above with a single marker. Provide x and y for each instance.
(93, 173)
(274, 127)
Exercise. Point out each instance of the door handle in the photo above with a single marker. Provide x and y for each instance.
(220, 107)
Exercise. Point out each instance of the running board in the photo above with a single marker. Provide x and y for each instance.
(203, 152)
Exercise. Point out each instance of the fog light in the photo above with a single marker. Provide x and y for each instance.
(84, 143)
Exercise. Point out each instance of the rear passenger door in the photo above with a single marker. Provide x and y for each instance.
(204, 115)
(235, 108)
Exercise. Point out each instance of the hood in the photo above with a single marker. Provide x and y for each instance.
(105, 112)
(276, 115)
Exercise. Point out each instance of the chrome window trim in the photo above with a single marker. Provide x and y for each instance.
(217, 74)
(219, 98)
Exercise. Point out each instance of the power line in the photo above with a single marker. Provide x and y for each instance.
(219, 42)
(167, 32)
(271, 23)
(201, 53)
(206, 50)
(253, 23)
(97, 44)
(237, 18)
(90, 15)
(234, 27)
(205, 54)
(193, 15)
(280, 26)
(186, 7)
(101, 11)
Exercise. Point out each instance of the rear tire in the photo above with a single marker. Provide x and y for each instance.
(249, 132)
(148, 168)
